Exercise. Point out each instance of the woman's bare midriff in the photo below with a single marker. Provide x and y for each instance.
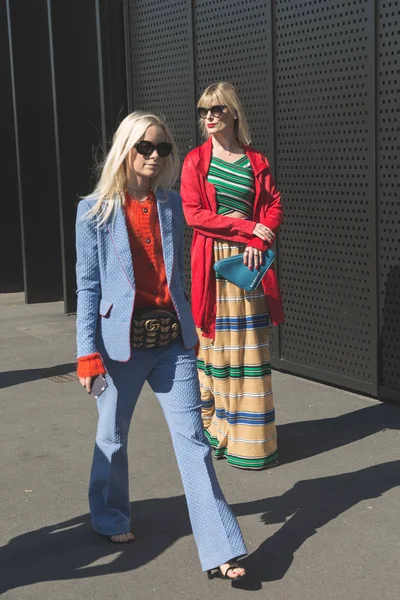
(236, 215)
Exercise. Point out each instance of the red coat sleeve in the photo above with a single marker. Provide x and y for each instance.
(206, 221)
(273, 213)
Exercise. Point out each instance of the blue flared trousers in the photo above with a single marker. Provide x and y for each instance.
(172, 375)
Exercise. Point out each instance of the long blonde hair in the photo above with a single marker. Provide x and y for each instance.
(110, 189)
(225, 93)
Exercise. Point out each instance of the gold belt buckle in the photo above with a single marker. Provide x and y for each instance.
(152, 324)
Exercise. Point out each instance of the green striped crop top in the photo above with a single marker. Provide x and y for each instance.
(234, 184)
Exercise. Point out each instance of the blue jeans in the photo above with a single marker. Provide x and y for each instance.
(172, 374)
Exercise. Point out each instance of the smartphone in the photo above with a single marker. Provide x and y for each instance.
(98, 386)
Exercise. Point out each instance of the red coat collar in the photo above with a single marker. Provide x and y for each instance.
(204, 152)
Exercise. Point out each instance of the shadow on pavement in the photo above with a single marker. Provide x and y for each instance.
(305, 508)
(68, 550)
(71, 550)
(301, 440)
(10, 378)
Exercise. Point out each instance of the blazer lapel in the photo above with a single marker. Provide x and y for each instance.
(165, 218)
(119, 235)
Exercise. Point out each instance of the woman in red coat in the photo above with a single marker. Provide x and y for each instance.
(230, 199)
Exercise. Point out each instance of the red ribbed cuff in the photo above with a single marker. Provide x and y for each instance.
(90, 365)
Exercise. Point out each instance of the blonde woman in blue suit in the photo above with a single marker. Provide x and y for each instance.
(134, 324)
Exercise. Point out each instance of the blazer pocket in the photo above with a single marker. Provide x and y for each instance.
(105, 307)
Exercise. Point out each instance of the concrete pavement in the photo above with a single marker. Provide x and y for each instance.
(324, 524)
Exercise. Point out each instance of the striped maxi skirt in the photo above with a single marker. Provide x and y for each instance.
(235, 375)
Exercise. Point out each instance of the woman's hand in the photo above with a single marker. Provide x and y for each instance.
(264, 233)
(252, 257)
(86, 382)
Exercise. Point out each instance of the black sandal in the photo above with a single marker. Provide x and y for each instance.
(116, 535)
(232, 565)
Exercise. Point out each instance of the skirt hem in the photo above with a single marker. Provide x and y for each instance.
(253, 464)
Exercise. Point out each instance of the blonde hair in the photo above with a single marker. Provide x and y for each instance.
(225, 93)
(110, 188)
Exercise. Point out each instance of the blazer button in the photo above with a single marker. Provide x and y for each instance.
(155, 293)
(151, 266)
(145, 210)
(148, 240)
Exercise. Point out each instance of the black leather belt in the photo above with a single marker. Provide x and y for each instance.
(153, 328)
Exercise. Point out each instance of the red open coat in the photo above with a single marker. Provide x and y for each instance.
(200, 208)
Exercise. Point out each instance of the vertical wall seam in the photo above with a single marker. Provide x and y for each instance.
(192, 5)
(128, 56)
(57, 147)
(377, 187)
(17, 155)
(376, 154)
(273, 112)
(101, 76)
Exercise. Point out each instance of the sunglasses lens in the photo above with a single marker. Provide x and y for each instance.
(217, 111)
(202, 112)
(164, 149)
(147, 148)
(144, 147)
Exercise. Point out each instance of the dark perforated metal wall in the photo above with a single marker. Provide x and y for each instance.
(162, 64)
(320, 83)
(389, 197)
(325, 165)
(162, 70)
(232, 45)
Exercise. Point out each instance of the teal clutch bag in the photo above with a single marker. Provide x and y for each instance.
(234, 270)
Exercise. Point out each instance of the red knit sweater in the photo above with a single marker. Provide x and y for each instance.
(148, 265)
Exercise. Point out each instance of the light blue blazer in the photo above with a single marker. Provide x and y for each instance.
(106, 281)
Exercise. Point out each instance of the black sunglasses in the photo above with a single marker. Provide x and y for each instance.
(216, 111)
(146, 148)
